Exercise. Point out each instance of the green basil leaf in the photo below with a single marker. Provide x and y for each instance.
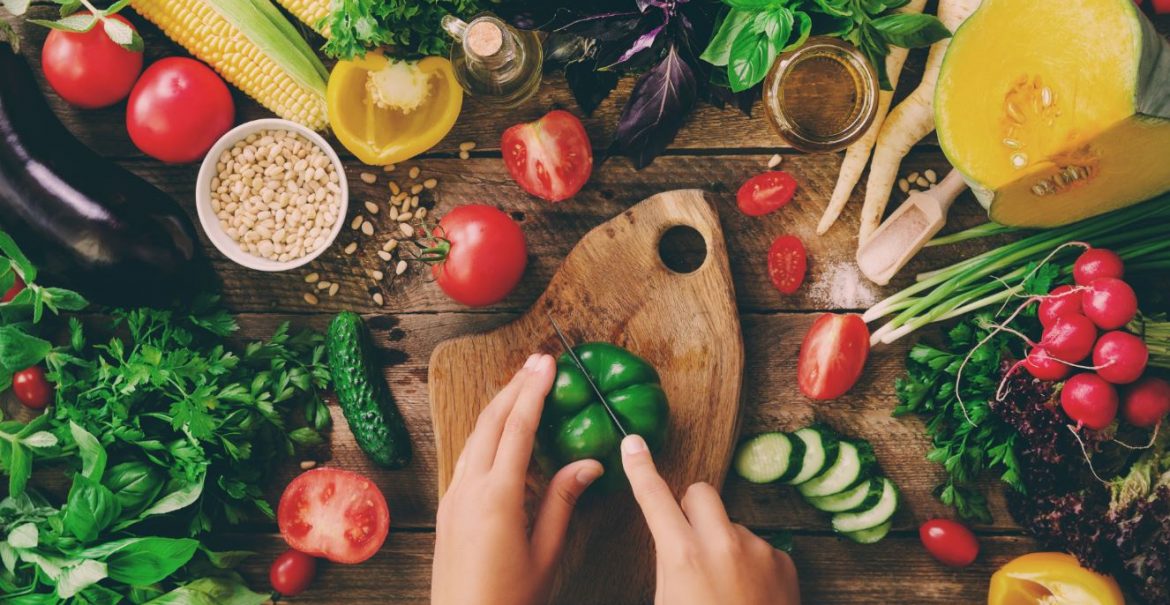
(182, 497)
(19, 350)
(719, 50)
(754, 5)
(8, 557)
(135, 485)
(24, 536)
(77, 23)
(60, 299)
(144, 561)
(7, 244)
(16, 7)
(75, 578)
(834, 8)
(93, 455)
(97, 594)
(19, 470)
(216, 590)
(306, 437)
(756, 48)
(911, 30)
(804, 23)
(40, 440)
(227, 559)
(89, 509)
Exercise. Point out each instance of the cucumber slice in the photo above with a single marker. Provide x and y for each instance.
(853, 465)
(863, 496)
(871, 535)
(764, 458)
(820, 452)
(871, 517)
(796, 461)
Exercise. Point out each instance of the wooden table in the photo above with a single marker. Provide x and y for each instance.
(716, 151)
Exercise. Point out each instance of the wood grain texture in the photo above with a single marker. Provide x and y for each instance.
(831, 571)
(614, 287)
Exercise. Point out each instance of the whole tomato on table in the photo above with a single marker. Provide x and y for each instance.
(477, 254)
(951, 542)
(832, 356)
(88, 69)
(178, 109)
(550, 158)
(292, 573)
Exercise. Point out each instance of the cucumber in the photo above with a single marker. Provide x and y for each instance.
(854, 463)
(764, 458)
(871, 517)
(820, 452)
(871, 535)
(862, 496)
(365, 399)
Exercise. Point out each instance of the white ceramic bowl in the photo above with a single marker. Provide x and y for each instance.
(210, 221)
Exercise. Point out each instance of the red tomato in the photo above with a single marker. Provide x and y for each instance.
(832, 356)
(17, 288)
(31, 388)
(949, 541)
(550, 158)
(787, 263)
(292, 572)
(178, 109)
(481, 255)
(765, 192)
(90, 70)
(335, 514)
(1161, 7)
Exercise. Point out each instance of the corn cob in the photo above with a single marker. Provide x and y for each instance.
(250, 48)
(313, 13)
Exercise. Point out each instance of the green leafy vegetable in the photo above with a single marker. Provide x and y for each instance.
(411, 27)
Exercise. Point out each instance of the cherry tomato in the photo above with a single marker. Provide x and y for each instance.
(17, 288)
(765, 193)
(550, 158)
(31, 388)
(178, 109)
(336, 514)
(481, 255)
(832, 355)
(89, 69)
(950, 542)
(292, 572)
(1161, 7)
(787, 263)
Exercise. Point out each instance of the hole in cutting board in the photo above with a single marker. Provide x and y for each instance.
(682, 249)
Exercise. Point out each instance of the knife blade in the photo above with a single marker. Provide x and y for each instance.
(581, 367)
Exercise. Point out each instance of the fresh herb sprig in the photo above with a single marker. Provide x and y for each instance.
(752, 33)
(74, 21)
(411, 27)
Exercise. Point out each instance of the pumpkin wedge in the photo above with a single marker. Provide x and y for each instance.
(1057, 111)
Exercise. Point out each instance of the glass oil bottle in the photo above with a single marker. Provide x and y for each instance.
(494, 62)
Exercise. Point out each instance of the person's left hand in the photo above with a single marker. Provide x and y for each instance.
(484, 552)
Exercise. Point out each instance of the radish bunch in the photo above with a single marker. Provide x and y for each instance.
(1085, 322)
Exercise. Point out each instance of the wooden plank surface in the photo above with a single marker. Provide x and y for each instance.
(716, 150)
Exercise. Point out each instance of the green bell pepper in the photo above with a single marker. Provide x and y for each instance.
(575, 425)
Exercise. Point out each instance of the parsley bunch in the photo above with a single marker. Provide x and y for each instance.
(412, 27)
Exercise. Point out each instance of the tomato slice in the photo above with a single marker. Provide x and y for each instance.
(335, 514)
(787, 263)
(832, 355)
(550, 158)
(765, 193)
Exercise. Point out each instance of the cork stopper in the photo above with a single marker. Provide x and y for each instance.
(484, 38)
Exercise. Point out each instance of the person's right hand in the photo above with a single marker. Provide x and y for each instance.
(704, 558)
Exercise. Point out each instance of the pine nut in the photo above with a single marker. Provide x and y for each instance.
(414, 172)
(421, 213)
(394, 188)
(312, 278)
(922, 182)
(467, 146)
(368, 228)
(904, 185)
(405, 217)
(384, 255)
(368, 178)
(371, 207)
(913, 177)
(406, 229)
(377, 275)
(394, 213)
(463, 155)
(333, 288)
(400, 268)
(931, 176)
(351, 248)
(431, 183)
(308, 464)
(356, 223)
(775, 160)
(378, 299)
(417, 189)
(311, 298)
(390, 245)
(322, 285)
(389, 168)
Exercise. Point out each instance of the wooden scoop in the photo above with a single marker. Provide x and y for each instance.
(908, 229)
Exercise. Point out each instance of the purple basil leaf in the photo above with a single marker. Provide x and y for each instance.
(590, 87)
(643, 43)
(662, 98)
(644, 5)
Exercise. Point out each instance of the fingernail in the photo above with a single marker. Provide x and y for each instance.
(633, 444)
(589, 474)
(528, 365)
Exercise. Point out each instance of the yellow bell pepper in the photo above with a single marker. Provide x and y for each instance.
(385, 111)
(1051, 578)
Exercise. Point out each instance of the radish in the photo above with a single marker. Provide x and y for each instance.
(1096, 263)
(1061, 301)
(1146, 402)
(1043, 366)
(1070, 338)
(1120, 357)
(1089, 400)
(1109, 302)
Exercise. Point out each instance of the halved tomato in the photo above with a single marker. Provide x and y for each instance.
(550, 158)
(832, 355)
(336, 514)
(787, 263)
(765, 193)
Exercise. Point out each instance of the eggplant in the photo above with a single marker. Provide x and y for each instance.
(87, 223)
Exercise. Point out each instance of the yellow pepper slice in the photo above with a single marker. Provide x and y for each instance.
(380, 135)
(1051, 578)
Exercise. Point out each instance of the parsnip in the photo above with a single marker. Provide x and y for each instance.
(857, 154)
(908, 123)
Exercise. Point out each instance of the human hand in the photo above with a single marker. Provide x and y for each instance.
(484, 553)
(704, 558)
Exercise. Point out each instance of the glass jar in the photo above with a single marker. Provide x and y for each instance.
(822, 96)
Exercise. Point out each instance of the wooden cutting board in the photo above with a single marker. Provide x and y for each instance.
(615, 287)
